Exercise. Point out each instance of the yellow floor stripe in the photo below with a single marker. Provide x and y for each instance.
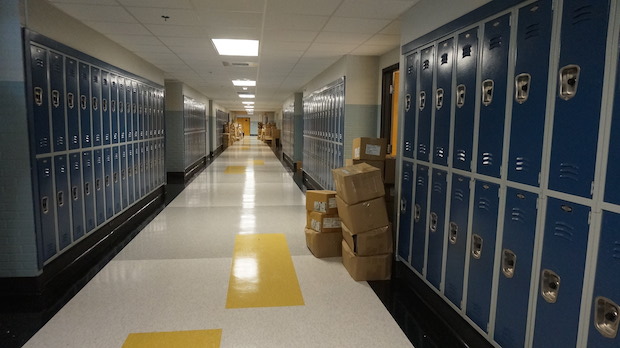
(244, 147)
(235, 170)
(262, 273)
(175, 339)
(259, 162)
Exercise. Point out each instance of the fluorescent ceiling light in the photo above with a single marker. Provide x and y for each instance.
(248, 102)
(229, 47)
(248, 83)
(247, 96)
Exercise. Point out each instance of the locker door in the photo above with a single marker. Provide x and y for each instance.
(129, 108)
(134, 110)
(561, 274)
(137, 165)
(116, 179)
(72, 103)
(147, 166)
(40, 99)
(578, 104)
(130, 175)
(105, 108)
(124, 177)
(95, 90)
(57, 101)
(515, 268)
(151, 112)
(46, 208)
(606, 299)
(114, 108)
(528, 109)
(76, 194)
(457, 239)
(406, 207)
(63, 201)
(99, 170)
(418, 247)
(108, 183)
(141, 109)
(612, 189)
(89, 191)
(494, 66)
(425, 103)
(85, 109)
(409, 107)
(122, 118)
(436, 227)
(443, 102)
(466, 58)
(482, 255)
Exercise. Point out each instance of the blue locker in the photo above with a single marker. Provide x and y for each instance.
(494, 67)
(516, 268)
(116, 179)
(436, 227)
(482, 255)
(529, 109)
(57, 101)
(114, 108)
(88, 179)
(135, 111)
(122, 119)
(409, 107)
(141, 109)
(143, 167)
(63, 201)
(46, 208)
(578, 104)
(151, 112)
(612, 189)
(466, 68)
(137, 164)
(40, 99)
(85, 108)
(406, 208)
(76, 193)
(129, 108)
(148, 166)
(418, 245)
(72, 103)
(561, 274)
(130, 175)
(95, 90)
(606, 299)
(108, 183)
(99, 170)
(124, 177)
(425, 103)
(457, 239)
(106, 120)
(443, 102)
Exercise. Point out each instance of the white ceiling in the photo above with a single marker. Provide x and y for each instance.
(298, 39)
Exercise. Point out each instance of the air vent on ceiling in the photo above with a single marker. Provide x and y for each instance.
(241, 64)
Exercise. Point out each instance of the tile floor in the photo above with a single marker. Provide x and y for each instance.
(174, 275)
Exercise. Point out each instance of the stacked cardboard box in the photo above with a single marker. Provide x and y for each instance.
(367, 244)
(323, 228)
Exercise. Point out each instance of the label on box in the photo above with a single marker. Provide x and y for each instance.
(373, 150)
(331, 223)
(332, 203)
(319, 206)
(316, 225)
(356, 152)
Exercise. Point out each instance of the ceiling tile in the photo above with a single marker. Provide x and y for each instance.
(342, 38)
(154, 16)
(97, 12)
(289, 35)
(230, 5)
(356, 25)
(178, 4)
(85, 2)
(295, 21)
(386, 9)
(138, 40)
(314, 7)
(218, 19)
(118, 28)
(169, 30)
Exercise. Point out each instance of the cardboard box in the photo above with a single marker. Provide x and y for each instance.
(358, 183)
(322, 222)
(373, 242)
(369, 148)
(389, 171)
(364, 216)
(376, 267)
(377, 164)
(323, 201)
(324, 244)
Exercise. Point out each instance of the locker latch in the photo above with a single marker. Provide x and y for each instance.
(403, 206)
(422, 101)
(460, 95)
(60, 198)
(115, 178)
(454, 230)
(549, 285)
(45, 205)
(434, 221)
(55, 98)
(113, 105)
(522, 87)
(509, 261)
(87, 188)
(70, 100)
(487, 92)
(38, 96)
(83, 102)
(98, 184)
(439, 98)
(417, 213)
(569, 80)
(95, 103)
(606, 317)
(476, 246)
(104, 105)
(74, 193)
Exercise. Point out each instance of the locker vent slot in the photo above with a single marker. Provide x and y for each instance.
(518, 215)
(522, 87)
(422, 100)
(40, 62)
(460, 95)
(487, 92)
(459, 195)
(466, 51)
(569, 171)
(495, 42)
(549, 286)
(417, 213)
(563, 230)
(57, 67)
(426, 64)
(440, 152)
(532, 31)
(422, 149)
(476, 246)
(582, 14)
(606, 317)
(461, 155)
(439, 98)
(484, 204)
(454, 231)
(509, 261)
(569, 81)
(434, 221)
(487, 159)
(438, 188)
(444, 59)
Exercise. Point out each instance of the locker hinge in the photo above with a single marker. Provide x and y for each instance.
(592, 188)
(589, 217)
(391, 89)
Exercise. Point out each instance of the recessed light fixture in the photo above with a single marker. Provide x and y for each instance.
(245, 88)
(248, 102)
(247, 96)
(244, 83)
(230, 47)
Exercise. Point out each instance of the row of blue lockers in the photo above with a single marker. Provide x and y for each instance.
(319, 158)
(77, 104)
(195, 130)
(287, 138)
(221, 118)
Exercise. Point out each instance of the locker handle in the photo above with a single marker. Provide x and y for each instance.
(606, 319)
(417, 213)
(522, 87)
(104, 104)
(45, 205)
(123, 174)
(422, 100)
(439, 98)
(74, 193)
(549, 286)
(107, 181)
(113, 105)
(434, 221)
(476, 246)
(487, 92)
(95, 103)
(55, 98)
(83, 102)
(38, 96)
(509, 261)
(70, 100)
(454, 230)
(460, 95)
(98, 184)
(407, 102)
(60, 198)
(569, 80)
(115, 178)
(87, 188)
